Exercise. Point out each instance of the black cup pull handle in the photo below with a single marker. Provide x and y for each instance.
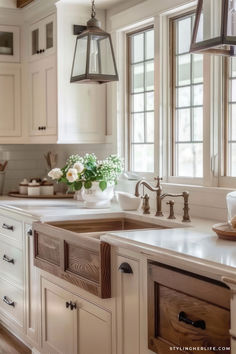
(7, 227)
(125, 268)
(5, 258)
(197, 324)
(8, 301)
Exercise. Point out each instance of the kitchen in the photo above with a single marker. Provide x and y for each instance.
(117, 176)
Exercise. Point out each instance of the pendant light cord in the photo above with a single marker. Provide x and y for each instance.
(93, 14)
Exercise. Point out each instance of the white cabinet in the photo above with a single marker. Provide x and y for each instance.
(43, 38)
(10, 100)
(43, 97)
(72, 325)
(128, 307)
(9, 44)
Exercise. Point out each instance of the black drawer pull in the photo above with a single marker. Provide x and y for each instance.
(125, 268)
(30, 232)
(7, 227)
(8, 301)
(5, 258)
(197, 324)
(71, 305)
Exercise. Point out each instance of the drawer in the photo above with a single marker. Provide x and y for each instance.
(11, 230)
(11, 263)
(186, 310)
(11, 302)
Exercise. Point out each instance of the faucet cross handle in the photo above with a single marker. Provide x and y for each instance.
(158, 179)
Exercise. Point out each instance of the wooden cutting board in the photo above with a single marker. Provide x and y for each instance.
(225, 232)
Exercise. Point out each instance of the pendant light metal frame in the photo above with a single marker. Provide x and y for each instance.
(210, 45)
(93, 28)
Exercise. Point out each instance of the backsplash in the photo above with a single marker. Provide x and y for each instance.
(28, 160)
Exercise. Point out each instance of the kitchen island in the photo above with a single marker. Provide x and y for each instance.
(120, 322)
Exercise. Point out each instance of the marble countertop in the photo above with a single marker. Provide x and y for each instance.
(193, 241)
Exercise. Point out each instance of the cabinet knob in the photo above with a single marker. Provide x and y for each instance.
(125, 268)
(5, 258)
(30, 232)
(38, 52)
(71, 305)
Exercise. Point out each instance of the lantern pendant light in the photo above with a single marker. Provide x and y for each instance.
(215, 28)
(94, 60)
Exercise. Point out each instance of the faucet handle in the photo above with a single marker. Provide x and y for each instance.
(158, 179)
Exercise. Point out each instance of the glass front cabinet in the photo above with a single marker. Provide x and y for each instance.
(43, 37)
(9, 44)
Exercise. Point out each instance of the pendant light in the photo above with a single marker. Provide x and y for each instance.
(94, 60)
(215, 28)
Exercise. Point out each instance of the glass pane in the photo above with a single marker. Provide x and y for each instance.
(232, 126)
(49, 35)
(150, 127)
(6, 43)
(79, 67)
(198, 95)
(137, 48)
(198, 124)
(138, 102)
(138, 78)
(183, 125)
(231, 29)
(232, 159)
(183, 72)
(35, 41)
(189, 160)
(233, 67)
(105, 59)
(149, 75)
(149, 101)
(138, 128)
(143, 158)
(149, 44)
(197, 68)
(210, 22)
(184, 35)
(183, 97)
(233, 90)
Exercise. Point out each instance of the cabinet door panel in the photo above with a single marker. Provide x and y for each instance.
(10, 121)
(128, 308)
(94, 330)
(59, 322)
(50, 84)
(36, 99)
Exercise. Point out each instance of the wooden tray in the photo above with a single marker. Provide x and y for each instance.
(225, 232)
(55, 196)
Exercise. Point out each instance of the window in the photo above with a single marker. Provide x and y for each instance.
(230, 121)
(141, 100)
(187, 102)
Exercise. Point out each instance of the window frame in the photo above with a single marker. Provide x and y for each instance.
(128, 35)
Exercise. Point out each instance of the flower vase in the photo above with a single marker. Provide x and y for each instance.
(95, 198)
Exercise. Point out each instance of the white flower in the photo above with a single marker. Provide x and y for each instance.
(72, 175)
(55, 173)
(79, 167)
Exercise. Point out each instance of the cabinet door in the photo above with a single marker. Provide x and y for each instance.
(94, 329)
(9, 44)
(10, 96)
(59, 322)
(32, 289)
(36, 102)
(128, 308)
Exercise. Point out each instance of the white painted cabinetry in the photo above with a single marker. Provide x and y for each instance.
(9, 44)
(10, 100)
(43, 97)
(71, 324)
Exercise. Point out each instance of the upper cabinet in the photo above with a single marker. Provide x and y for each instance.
(43, 38)
(9, 44)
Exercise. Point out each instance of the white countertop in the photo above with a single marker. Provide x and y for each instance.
(193, 241)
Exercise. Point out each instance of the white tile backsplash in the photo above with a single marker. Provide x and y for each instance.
(28, 160)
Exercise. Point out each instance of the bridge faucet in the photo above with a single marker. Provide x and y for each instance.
(160, 196)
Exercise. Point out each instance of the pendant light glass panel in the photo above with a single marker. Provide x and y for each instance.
(80, 57)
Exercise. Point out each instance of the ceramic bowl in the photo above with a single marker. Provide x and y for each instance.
(128, 201)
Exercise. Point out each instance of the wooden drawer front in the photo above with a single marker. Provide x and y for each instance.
(83, 262)
(14, 297)
(11, 230)
(48, 248)
(11, 263)
(172, 303)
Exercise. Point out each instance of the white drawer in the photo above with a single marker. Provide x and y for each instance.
(11, 230)
(11, 302)
(11, 263)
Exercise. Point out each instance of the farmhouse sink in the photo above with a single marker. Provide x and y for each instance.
(73, 251)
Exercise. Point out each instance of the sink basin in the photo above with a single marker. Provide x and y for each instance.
(73, 250)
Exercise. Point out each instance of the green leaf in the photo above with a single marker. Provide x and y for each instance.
(87, 185)
(103, 185)
(78, 185)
